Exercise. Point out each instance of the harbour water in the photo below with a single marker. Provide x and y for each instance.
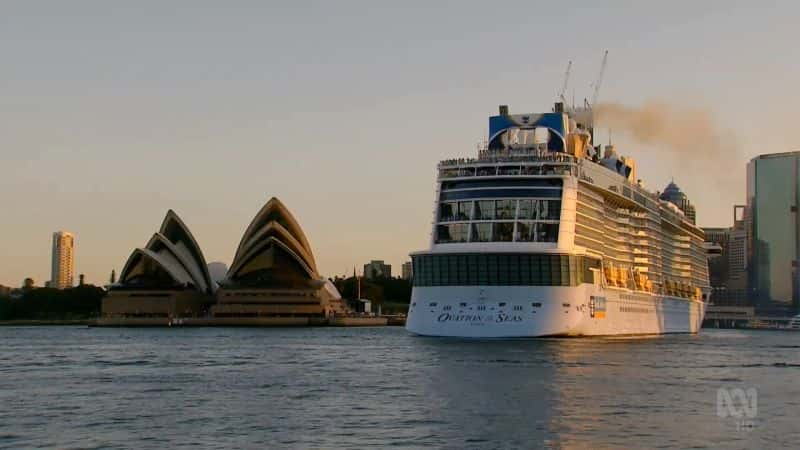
(77, 387)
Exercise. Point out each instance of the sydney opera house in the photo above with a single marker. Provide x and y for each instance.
(273, 279)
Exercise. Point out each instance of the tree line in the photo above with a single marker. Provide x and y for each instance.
(80, 302)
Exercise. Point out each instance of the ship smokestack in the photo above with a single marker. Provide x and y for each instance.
(503, 110)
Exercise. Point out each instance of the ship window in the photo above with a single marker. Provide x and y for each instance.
(547, 232)
(505, 209)
(551, 183)
(532, 170)
(451, 211)
(526, 209)
(537, 232)
(448, 173)
(467, 172)
(514, 267)
(447, 211)
(484, 210)
(481, 232)
(455, 232)
(548, 209)
(536, 305)
(487, 171)
(463, 304)
(503, 231)
(432, 304)
(543, 193)
(464, 210)
(526, 232)
(502, 304)
(508, 170)
(502, 269)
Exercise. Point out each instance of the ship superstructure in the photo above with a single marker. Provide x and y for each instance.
(545, 233)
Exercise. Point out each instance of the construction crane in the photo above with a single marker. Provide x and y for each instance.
(566, 83)
(599, 80)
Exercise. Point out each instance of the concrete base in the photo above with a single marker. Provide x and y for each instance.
(358, 322)
(239, 322)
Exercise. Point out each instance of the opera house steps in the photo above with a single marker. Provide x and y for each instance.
(272, 281)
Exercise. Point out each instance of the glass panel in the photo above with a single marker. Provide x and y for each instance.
(501, 269)
(505, 209)
(503, 231)
(467, 172)
(526, 232)
(448, 173)
(487, 171)
(526, 209)
(464, 210)
(447, 211)
(502, 183)
(481, 232)
(547, 232)
(548, 209)
(456, 232)
(508, 170)
(773, 188)
(484, 210)
(501, 193)
(532, 170)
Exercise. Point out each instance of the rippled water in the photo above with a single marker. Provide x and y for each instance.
(74, 387)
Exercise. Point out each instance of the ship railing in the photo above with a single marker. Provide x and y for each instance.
(492, 157)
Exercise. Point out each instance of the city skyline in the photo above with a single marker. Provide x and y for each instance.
(210, 111)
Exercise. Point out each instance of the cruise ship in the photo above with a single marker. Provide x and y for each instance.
(546, 233)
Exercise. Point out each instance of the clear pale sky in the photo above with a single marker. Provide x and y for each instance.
(113, 112)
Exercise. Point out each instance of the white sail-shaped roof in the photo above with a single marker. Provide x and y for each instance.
(178, 233)
(274, 233)
(161, 245)
(144, 263)
(273, 211)
(174, 251)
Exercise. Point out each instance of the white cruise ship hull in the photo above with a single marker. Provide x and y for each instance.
(541, 311)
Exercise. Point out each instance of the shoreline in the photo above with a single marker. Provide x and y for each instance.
(45, 322)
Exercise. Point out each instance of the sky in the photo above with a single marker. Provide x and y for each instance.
(111, 113)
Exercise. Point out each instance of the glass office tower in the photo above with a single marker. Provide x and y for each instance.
(772, 199)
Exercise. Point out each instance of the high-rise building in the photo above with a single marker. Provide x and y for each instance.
(408, 272)
(773, 240)
(63, 260)
(377, 269)
(727, 263)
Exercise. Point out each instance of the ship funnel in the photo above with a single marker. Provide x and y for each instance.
(503, 110)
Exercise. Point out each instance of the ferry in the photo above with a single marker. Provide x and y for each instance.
(545, 233)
